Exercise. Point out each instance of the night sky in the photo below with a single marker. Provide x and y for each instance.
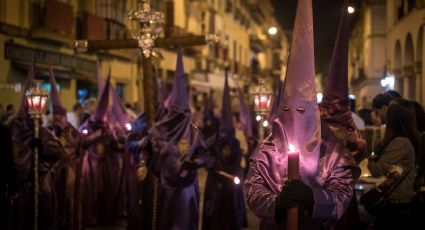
(326, 14)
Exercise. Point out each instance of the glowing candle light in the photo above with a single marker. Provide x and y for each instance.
(235, 179)
(128, 126)
(85, 131)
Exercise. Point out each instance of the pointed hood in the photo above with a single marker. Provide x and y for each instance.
(103, 104)
(118, 108)
(335, 106)
(299, 117)
(100, 80)
(57, 106)
(245, 116)
(23, 108)
(179, 95)
(226, 124)
(337, 81)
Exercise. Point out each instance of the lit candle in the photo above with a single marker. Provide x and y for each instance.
(235, 179)
(293, 162)
(293, 173)
(128, 126)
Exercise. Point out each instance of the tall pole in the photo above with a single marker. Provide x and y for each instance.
(36, 189)
(148, 87)
(148, 92)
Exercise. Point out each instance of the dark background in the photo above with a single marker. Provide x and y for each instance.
(326, 14)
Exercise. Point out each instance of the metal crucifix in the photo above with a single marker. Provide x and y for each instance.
(151, 23)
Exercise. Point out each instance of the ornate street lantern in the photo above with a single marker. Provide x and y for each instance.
(36, 98)
(262, 99)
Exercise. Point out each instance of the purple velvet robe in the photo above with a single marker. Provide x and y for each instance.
(51, 158)
(140, 193)
(179, 185)
(68, 179)
(100, 175)
(332, 185)
(224, 206)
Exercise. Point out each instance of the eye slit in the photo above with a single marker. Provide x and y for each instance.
(285, 108)
(301, 110)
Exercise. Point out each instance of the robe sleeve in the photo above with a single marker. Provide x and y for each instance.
(259, 197)
(332, 199)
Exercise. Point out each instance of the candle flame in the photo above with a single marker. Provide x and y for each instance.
(291, 148)
(85, 131)
(237, 180)
(128, 126)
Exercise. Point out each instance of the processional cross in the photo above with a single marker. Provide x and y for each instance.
(147, 38)
(151, 23)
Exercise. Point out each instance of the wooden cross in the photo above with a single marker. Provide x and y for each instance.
(148, 79)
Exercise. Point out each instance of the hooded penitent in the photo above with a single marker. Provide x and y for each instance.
(68, 191)
(299, 116)
(224, 206)
(50, 152)
(335, 107)
(101, 167)
(178, 149)
(326, 168)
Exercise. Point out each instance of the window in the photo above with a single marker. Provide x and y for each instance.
(119, 88)
(114, 11)
(111, 9)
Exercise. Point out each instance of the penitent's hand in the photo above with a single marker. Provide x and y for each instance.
(142, 171)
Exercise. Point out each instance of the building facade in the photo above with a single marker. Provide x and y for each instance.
(386, 50)
(46, 30)
(404, 46)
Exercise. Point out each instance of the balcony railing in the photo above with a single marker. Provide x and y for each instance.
(58, 17)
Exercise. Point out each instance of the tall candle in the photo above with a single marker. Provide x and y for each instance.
(293, 173)
(293, 162)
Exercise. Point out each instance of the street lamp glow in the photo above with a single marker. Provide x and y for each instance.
(272, 30)
(351, 9)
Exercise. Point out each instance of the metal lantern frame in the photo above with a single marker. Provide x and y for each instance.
(262, 96)
(37, 100)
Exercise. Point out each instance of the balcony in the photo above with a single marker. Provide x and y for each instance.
(92, 27)
(54, 22)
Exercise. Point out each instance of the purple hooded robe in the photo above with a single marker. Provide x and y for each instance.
(335, 107)
(175, 142)
(336, 112)
(68, 186)
(224, 207)
(141, 193)
(326, 166)
(50, 159)
(101, 167)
